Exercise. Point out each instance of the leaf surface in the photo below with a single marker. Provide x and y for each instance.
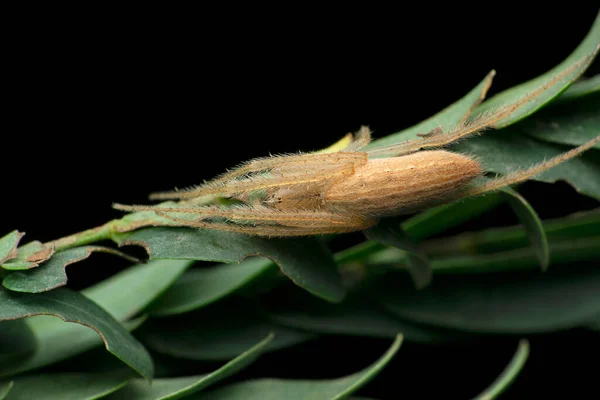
(8, 245)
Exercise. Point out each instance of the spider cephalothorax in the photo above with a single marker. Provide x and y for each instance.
(349, 189)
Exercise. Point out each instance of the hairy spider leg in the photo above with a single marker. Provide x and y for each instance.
(522, 175)
(306, 227)
(295, 169)
(471, 125)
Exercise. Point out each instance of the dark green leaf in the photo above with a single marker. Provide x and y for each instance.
(220, 331)
(524, 302)
(200, 287)
(304, 260)
(532, 224)
(8, 245)
(16, 340)
(29, 256)
(175, 388)
(71, 306)
(331, 389)
(583, 87)
(5, 387)
(66, 386)
(572, 124)
(510, 373)
(450, 116)
(389, 232)
(122, 295)
(51, 274)
(357, 315)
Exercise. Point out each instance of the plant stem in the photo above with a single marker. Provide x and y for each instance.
(102, 232)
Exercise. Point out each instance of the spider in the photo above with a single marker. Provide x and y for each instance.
(350, 189)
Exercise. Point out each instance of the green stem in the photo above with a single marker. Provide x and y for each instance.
(88, 236)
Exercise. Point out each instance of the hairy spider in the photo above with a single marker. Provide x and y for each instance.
(350, 189)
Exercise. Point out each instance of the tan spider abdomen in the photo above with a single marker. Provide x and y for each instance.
(398, 185)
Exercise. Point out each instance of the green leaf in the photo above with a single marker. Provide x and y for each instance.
(122, 295)
(389, 232)
(200, 287)
(29, 256)
(357, 315)
(175, 388)
(582, 56)
(218, 332)
(510, 373)
(71, 306)
(16, 340)
(66, 386)
(331, 389)
(523, 302)
(304, 260)
(572, 124)
(51, 274)
(507, 151)
(583, 87)
(450, 116)
(8, 245)
(5, 387)
(127, 293)
(532, 224)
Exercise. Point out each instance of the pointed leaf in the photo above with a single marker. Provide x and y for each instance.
(175, 388)
(5, 387)
(580, 59)
(304, 260)
(357, 315)
(71, 306)
(51, 274)
(450, 116)
(532, 224)
(29, 256)
(510, 373)
(217, 332)
(66, 386)
(8, 245)
(122, 295)
(200, 287)
(572, 124)
(524, 302)
(389, 232)
(334, 389)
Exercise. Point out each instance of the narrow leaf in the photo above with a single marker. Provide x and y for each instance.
(122, 295)
(450, 116)
(8, 245)
(389, 232)
(532, 224)
(523, 302)
(217, 332)
(66, 386)
(510, 373)
(332, 389)
(200, 287)
(5, 387)
(71, 306)
(51, 274)
(534, 91)
(29, 256)
(583, 87)
(304, 260)
(357, 315)
(175, 388)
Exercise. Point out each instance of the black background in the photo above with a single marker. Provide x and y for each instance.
(108, 106)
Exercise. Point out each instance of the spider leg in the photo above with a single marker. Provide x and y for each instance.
(525, 174)
(277, 223)
(282, 171)
(471, 125)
